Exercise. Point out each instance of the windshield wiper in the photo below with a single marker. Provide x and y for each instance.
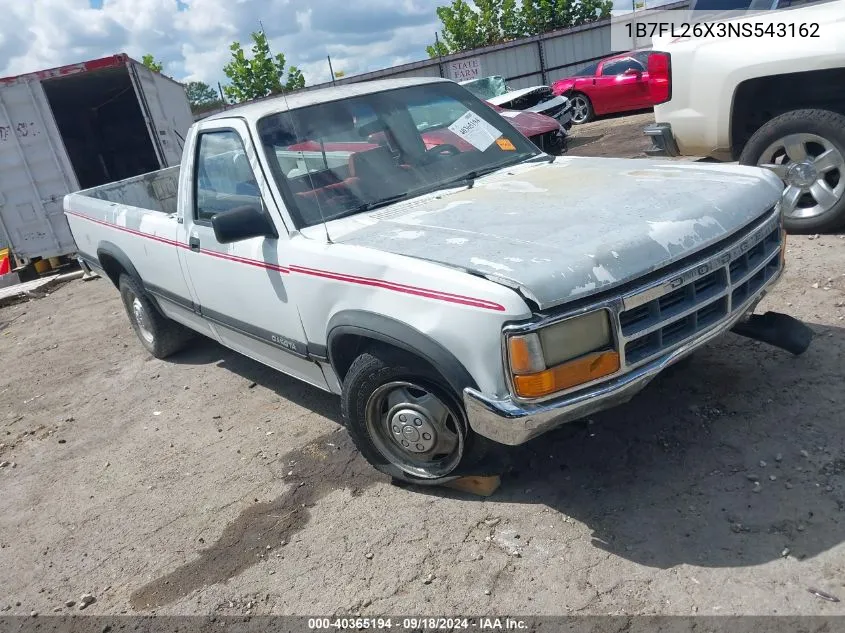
(465, 180)
(375, 204)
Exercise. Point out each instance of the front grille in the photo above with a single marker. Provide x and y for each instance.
(658, 319)
(554, 111)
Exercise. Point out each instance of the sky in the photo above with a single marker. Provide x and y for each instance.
(192, 37)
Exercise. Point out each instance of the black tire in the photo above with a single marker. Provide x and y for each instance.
(590, 115)
(160, 336)
(378, 367)
(828, 125)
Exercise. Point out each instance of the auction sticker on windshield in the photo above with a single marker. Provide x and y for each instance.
(475, 131)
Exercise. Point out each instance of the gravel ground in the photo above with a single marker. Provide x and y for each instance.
(210, 484)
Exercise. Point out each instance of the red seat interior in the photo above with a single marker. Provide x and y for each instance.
(367, 171)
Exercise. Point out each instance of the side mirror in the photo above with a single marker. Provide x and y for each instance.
(242, 223)
(633, 72)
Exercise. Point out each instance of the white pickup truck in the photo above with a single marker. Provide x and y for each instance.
(774, 97)
(448, 295)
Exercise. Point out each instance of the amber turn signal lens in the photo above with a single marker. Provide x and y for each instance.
(576, 372)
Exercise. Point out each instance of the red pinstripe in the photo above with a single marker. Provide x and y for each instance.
(397, 287)
(437, 295)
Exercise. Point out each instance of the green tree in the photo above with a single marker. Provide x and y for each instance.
(296, 79)
(200, 93)
(437, 49)
(261, 75)
(489, 21)
(461, 29)
(511, 20)
(492, 21)
(150, 62)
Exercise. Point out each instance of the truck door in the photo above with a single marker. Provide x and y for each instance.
(624, 84)
(35, 174)
(241, 289)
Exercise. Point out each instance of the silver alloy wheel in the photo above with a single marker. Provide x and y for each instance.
(813, 172)
(580, 109)
(415, 430)
(140, 315)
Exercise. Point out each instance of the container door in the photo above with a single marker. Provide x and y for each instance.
(35, 174)
(166, 111)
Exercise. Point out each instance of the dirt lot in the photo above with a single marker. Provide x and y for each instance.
(209, 484)
(612, 136)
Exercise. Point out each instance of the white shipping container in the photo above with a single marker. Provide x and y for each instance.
(77, 127)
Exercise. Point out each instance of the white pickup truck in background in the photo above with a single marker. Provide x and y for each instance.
(473, 290)
(771, 100)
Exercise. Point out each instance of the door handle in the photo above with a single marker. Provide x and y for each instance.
(194, 244)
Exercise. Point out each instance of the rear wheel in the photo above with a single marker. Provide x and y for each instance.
(582, 108)
(806, 150)
(160, 336)
(404, 418)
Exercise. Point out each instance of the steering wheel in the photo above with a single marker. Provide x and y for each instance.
(446, 148)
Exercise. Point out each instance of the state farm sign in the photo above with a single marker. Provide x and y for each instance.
(465, 69)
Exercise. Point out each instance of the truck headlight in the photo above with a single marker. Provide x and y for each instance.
(563, 355)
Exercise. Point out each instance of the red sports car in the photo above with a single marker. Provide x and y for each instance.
(614, 84)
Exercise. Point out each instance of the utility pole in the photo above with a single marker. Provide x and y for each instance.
(439, 56)
(331, 70)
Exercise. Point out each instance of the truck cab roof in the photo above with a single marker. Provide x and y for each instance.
(302, 98)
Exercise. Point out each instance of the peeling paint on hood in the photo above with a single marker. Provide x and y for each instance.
(575, 227)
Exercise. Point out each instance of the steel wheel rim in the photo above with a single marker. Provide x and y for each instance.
(812, 170)
(415, 430)
(580, 110)
(140, 316)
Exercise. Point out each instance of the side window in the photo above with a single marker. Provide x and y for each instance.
(223, 178)
(609, 69)
(620, 66)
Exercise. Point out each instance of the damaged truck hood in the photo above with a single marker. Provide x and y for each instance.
(559, 232)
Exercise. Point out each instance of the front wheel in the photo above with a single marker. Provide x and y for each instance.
(806, 150)
(404, 418)
(582, 108)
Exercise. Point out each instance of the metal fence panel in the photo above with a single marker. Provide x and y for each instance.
(570, 50)
(520, 61)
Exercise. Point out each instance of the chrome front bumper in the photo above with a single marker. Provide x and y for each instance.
(510, 422)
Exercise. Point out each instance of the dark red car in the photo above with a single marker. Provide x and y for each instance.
(615, 84)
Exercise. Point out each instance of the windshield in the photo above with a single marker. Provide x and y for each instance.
(344, 157)
(487, 87)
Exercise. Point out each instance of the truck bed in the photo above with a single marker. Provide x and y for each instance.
(133, 222)
(155, 191)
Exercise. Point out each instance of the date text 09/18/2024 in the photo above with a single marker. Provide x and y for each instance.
(417, 623)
